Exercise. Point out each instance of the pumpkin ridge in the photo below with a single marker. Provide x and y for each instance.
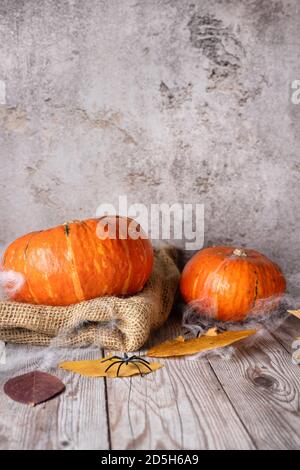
(25, 267)
(74, 274)
(127, 280)
(223, 265)
(255, 288)
(196, 283)
(96, 264)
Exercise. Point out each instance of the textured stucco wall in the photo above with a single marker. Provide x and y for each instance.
(160, 100)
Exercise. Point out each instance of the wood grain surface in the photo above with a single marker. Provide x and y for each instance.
(74, 420)
(263, 386)
(182, 406)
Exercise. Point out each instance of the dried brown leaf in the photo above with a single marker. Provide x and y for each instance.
(33, 388)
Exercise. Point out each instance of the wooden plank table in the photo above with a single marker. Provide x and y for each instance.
(250, 401)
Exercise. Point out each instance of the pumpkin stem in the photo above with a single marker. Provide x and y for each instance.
(239, 252)
(67, 229)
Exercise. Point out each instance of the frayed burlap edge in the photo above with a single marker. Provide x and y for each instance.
(112, 322)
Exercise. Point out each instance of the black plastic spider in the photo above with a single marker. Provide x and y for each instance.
(126, 360)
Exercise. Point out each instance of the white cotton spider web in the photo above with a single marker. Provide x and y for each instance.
(264, 318)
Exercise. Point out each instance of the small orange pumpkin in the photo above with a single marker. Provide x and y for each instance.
(229, 284)
(75, 261)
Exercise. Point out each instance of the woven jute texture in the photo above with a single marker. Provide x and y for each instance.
(120, 323)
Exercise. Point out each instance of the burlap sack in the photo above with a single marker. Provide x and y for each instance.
(112, 322)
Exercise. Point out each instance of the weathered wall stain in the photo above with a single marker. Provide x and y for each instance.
(105, 121)
(174, 97)
(42, 195)
(32, 170)
(142, 178)
(204, 184)
(13, 119)
(216, 41)
(220, 44)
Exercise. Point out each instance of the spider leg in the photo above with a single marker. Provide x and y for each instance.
(120, 368)
(146, 365)
(139, 358)
(111, 357)
(134, 363)
(110, 365)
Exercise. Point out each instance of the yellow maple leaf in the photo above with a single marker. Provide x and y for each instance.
(97, 368)
(296, 313)
(181, 347)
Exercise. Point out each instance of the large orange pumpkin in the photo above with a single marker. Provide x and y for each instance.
(75, 262)
(229, 284)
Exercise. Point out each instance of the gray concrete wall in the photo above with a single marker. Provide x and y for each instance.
(160, 100)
